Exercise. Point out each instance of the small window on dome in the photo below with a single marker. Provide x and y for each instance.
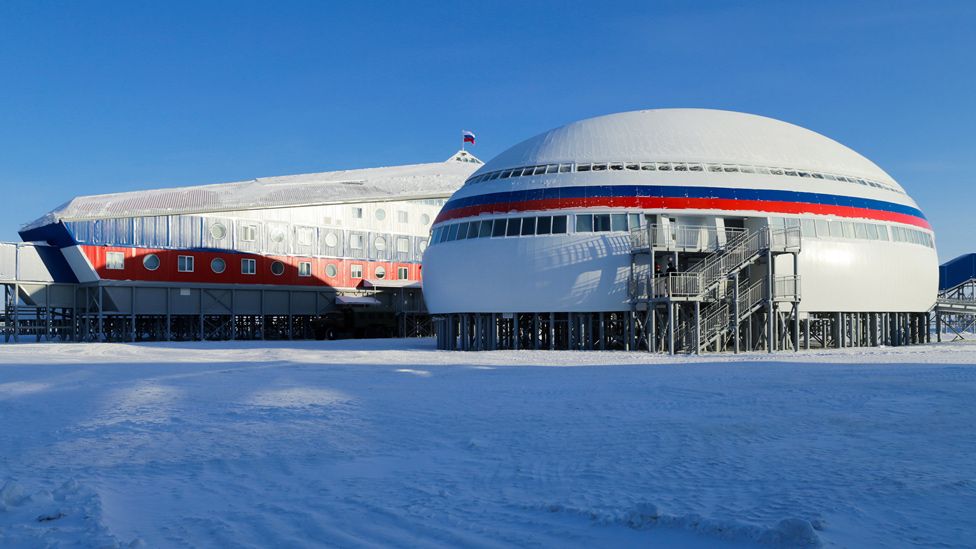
(552, 168)
(817, 175)
(583, 167)
(633, 167)
(599, 167)
(539, 170)
(649, 167)
(730, 169)
(565, 168)
(714, 168)
(694, 167)
(680, 167)
(790, 173)
(747, 169)
(616, 166)
(664, 166)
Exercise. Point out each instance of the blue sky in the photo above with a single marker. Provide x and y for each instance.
(109, 96)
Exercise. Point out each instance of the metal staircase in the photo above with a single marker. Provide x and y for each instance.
(721, 302)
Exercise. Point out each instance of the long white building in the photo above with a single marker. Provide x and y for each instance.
(564, 240)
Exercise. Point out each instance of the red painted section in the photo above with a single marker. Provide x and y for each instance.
(202, 272)
(661, 203)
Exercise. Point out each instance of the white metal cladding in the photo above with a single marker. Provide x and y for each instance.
(588, 272)
(689, 135)
(438, 179)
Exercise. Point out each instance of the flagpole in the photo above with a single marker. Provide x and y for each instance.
(462, 140)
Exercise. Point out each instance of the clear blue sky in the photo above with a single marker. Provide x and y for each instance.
(109, 96)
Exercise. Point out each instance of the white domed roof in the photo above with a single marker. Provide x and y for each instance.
(689, 135)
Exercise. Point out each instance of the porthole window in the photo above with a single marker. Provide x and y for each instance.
(425, 219)
(380, 243)
(331, 270)
(218, 265)
(150, 262)
(380, 214)
(218, 231)
(331, 240)
(277, 235)
(422, 246)
(380, 272)
(277, 268)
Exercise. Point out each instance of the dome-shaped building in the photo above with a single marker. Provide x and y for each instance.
(680, 229)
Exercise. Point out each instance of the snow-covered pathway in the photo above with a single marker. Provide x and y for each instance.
(368, 443)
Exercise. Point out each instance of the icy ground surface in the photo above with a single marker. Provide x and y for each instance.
(392, 443)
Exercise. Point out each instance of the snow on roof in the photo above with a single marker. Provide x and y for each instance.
(414, 181)
(689, 135)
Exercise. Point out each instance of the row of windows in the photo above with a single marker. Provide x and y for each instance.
(672, 167)
(186, 264)
(623, 222)
(502, 227)
(531, 226)
(254, 236)
(380, 213)
(832, 228)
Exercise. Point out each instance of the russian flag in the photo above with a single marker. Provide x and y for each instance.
(468, 136)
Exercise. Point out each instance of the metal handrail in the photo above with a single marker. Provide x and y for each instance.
(683, 237)
(752, 296)
(677, 285)
(786, 288)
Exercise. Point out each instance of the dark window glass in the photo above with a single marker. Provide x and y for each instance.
(543, 225)
(485, 228)
(584, 223)
(618, 222)
(473, 229)
(635, 220)
(452, 232)
(559, 224)
(514, 225)
(601, 222)
(528, 226)
(499, 228)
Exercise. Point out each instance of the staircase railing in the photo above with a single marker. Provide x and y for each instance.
(695, 238)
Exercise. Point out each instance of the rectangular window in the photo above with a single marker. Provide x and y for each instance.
(115, 261)
(807, 228)
(848, 229)
(356, 241)
(860, 230)
(305, 268)
(304, 235)
(473, 227)
(822, 229)
(559, 224)
(543, 225)
(618, 222)
(872, 231)
(452, 232)
(403, 245)
(249, 233)
(835, 229)
(514, 227)
(357, 213)
(584, 223)
(462, 231)
(402, 273)
(634, 220)
(184, 264)
(248, 266)
(485, 230)
(498, 229)
(402, 217)
(356, 271)
(601, 222)
(528, 226)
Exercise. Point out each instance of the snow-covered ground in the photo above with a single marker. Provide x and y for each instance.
(392, 443)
